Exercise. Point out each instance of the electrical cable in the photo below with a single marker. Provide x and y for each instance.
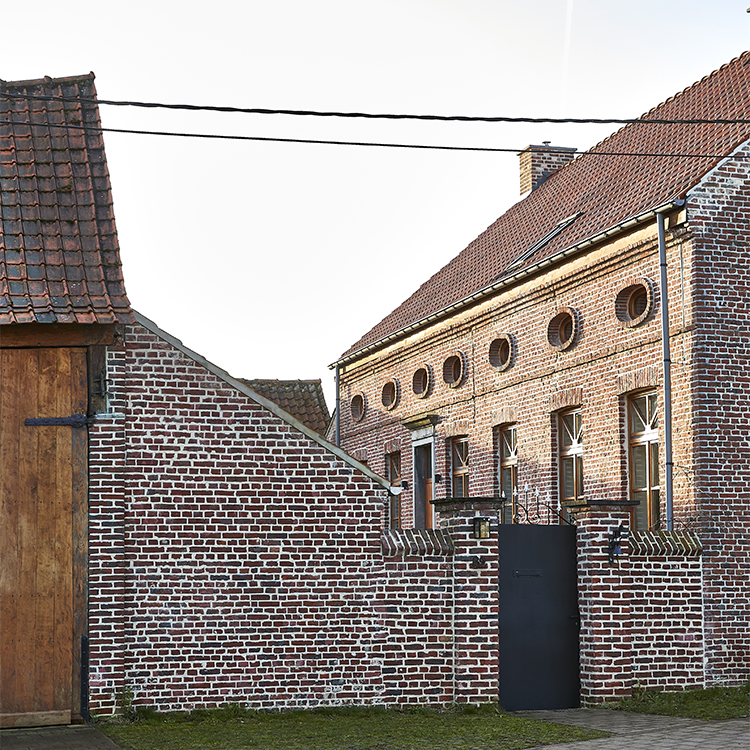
(217, 136)
(382, 116)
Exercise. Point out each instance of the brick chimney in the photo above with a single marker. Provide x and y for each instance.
(539, 162)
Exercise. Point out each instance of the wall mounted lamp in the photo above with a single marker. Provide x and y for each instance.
(481, 527)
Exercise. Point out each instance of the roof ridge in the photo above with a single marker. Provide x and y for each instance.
(654, 108)
(47, 80)
(694, 84)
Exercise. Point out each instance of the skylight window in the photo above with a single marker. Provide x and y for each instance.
(539, 244)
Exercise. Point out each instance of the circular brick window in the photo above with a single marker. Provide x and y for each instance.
(501, 352)
(389, 394)
(358, 406)
(562, 330)
(421, 381)
(453, 370)
(634, 303)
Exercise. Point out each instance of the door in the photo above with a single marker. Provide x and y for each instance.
(42, 531)
(423, 510)
(538, 617)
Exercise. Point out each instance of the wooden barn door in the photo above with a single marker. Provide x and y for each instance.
(43, 491)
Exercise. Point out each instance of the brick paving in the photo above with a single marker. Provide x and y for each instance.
(75, 737)
(645, 732)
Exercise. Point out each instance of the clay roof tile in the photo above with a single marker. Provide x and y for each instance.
(55, 194)
(604, 190)
(303, 399)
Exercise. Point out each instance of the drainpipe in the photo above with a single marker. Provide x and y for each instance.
(669, 465)
(338, 406)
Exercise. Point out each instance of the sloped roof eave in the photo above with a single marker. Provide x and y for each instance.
(508, 281)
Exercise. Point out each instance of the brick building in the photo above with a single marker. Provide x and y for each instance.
(528, 381)
(168, 534)
(172, 536)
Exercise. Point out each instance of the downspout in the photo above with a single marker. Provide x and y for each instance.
(669, 465)
(338, 406)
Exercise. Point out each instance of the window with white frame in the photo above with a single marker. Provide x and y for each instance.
(460, 466)
(643, 459)
(570, 452)
(507, 471)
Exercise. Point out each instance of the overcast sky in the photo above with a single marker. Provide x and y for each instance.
(271, 259)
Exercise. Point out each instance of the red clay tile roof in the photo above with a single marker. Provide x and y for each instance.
(302, 399)
(605, 190)
(59, 255)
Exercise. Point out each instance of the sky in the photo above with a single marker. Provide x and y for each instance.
(272, 259)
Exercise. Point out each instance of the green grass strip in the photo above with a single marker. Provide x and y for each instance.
(236, 728)
(712, 703)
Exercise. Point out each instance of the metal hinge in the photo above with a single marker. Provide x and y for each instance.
(76, 420)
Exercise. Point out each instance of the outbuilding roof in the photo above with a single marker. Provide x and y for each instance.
(59, 255)
(637, 169)
(303, 399)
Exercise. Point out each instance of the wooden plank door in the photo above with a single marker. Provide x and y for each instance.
(43, 487)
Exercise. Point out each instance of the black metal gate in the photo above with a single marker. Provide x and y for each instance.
(538, 617)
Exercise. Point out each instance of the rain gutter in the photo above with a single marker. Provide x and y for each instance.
(506, 282)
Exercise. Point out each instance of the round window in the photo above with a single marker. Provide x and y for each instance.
(634, 303)
(501, 352)
(562, 329)
(420, 382)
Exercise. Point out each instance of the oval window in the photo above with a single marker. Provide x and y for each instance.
(501, 352)
(562, 329)
(453, 370)
(634, 303)
(357, 406)
(389, 394)
(420, 382)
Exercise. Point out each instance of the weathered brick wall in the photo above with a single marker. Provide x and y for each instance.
(232, 557)
(108, 566)
(719, 213)
(666, 621)
(605, 598)
(476, 603)
(414, 642)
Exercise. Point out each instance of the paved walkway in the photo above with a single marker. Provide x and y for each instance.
(646, 732)
(75, 737)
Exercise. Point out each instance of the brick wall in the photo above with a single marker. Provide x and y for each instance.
(235, 559)
(232, 558)
(415, 604)
(719, 212)
(666, 621)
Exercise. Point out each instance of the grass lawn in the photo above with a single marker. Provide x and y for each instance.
(713, 703)
(234, 728)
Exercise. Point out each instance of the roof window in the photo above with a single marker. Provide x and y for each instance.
(539, 244)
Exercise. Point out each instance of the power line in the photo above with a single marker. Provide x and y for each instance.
(383, 116)
(218, 136)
